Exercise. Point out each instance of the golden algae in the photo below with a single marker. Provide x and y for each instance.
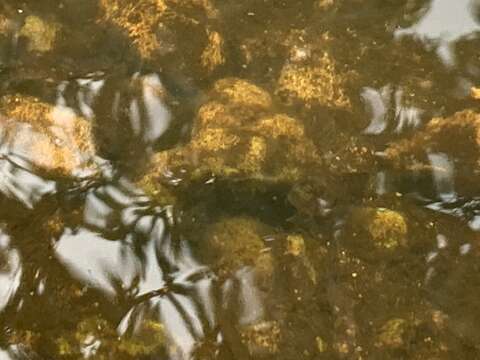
(139, 19)
(213, 55)
(236, 242)
(237, 135)
(41, 34)
(386, 229)
(52, 138)
(315, 83)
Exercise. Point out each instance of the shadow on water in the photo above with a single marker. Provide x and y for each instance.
(339, 261)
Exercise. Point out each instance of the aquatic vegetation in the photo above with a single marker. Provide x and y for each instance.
(316, 83)
(233, 243)
(6, 28)
(158, 28)
(99, 339)
(301, 263)
(392, 333)
(238, 92)
(325, 4)
(159, 193)
(295, 245)
(275, 224)
(475, 92)
(454, 139)
(41, 35)
(213, 54)
(141, 21)
(386, 228)
(237, 136)
(262, 338)
(462, 125)
(321, 344)
(51, 138)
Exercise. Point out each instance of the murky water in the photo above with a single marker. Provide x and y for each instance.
(201, 179)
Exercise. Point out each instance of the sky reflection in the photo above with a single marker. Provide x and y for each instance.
(445, 23)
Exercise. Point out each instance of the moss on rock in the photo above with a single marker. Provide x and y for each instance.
(140, 20)
(392, 334)
(475, 92)
(318, 83)
(236, 242)
(41, 34)
(213, 55)
(237, 136)
(262, 338)
(99, 338)
(53, 139)
(387, 229)
(455, 140)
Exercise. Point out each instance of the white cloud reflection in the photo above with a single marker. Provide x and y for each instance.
(445, 22)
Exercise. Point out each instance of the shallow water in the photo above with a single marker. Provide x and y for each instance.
(248, 179)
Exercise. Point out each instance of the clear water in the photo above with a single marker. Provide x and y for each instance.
(351, 234)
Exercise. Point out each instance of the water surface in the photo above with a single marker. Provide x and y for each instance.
(271, 179)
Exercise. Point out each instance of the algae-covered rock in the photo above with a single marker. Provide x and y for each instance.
(41, 34)
(159, 193)
(141, 21)
(238, 92)
(457, 136)
(99, 339)
(238, 136)
(45, 45)
(213, 55)
(109, 34)
(51, 138)
(4, 22)
(392, 334)
(262, 338)
(295, 245)
(386, 229)
(236, 242)
(448, 148)
(156, 28)
(475, 92)
(6, 28)
(300, 266)
(324, 4)
(318, 82)
(149, 338)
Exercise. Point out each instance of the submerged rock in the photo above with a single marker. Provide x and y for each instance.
(386, 229)
(34, 40)
(298, 260)
(140, 20)
(49, 138)
(159, 28)
(392, 334)
(236, 242)
(448, 148)
(317, 82)
(97, 336)
(241, 142)
(439, 135)
(109, 35)
(262, 338)
(213, 55)
(238, 136)
(475, 92)
(41, 35)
